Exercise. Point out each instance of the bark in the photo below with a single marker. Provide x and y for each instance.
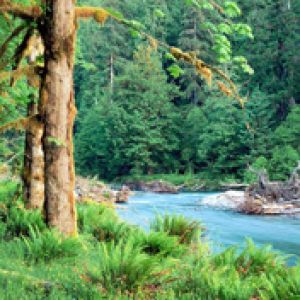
(33, 176)
(58, 111)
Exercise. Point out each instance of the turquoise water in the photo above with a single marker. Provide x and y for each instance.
(224, 228)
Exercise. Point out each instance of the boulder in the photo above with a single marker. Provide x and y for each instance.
(123, 195)
(227, 200)
(94, 190)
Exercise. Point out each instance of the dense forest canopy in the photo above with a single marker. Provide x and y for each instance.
(134, 118)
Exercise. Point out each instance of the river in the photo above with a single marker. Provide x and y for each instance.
(224, 228)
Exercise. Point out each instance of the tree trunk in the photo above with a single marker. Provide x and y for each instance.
(58, 111)
(33, 176)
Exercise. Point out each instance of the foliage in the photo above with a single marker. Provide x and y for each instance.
(48, 245)
(288, 131)
(260, 164)
(161, 244)
(137, 264)
(20, 220)
(186, 231)
(122, 267)
(284, 160)
(91, 213)
(15, 220)
(202, 133)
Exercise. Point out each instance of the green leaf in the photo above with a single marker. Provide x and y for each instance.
(170, 56)
(115, 13)
(175, 71)
(159, 13)
(225, 28)
(244, 30)
(231, 9)
(134, 33)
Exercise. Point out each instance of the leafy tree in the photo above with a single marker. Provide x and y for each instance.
(284, 160)
(137, 133)
(288, 133)
(260, 164)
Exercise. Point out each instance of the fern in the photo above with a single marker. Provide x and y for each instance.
(20, 220)
(122, 267)
(161, 244)
(48, 245)
(186, 231)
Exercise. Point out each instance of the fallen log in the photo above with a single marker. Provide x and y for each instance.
(267, 197)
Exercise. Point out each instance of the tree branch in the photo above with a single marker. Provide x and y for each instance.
(14, 34)
(100, 15)
(21, 11)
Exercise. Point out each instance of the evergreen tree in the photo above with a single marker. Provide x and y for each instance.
(139, 129)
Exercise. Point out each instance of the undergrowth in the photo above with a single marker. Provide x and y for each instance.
(113, 260)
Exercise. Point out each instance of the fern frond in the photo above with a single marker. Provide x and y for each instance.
(14, 34)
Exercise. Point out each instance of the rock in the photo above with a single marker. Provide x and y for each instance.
(94, 190)
(157, 186)
(227, 200)
(243, 203)
(123, 195)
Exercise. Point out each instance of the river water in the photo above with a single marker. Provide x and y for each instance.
(224, 228)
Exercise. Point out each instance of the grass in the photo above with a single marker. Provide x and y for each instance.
(113, 260)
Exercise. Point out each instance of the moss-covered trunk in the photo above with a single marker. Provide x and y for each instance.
(33, 175)
(58, 111)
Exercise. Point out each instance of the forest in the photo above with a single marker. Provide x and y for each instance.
(114, 90)
(188, 127)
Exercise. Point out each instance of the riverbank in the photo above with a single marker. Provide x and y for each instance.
(174, 183)
(239, 201)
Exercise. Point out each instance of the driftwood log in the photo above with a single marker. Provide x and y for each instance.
(267, 197)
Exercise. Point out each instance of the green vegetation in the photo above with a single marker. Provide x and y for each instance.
(135, 120)
(113, 260)
(144, 115)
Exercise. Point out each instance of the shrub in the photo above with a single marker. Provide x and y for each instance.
(7, 191)
(160, 243)
(107, 230)
(186, 231)
(102, 222)
(261, 163)
(90, 214)
(284, 160)
(255, 261)
(48, 245)
(13, 214)
(122, 267)
(19, 221)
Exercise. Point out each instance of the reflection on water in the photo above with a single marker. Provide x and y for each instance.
(224, 228)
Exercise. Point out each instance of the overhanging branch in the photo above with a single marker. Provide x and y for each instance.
(21, 11)
(207, 71)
